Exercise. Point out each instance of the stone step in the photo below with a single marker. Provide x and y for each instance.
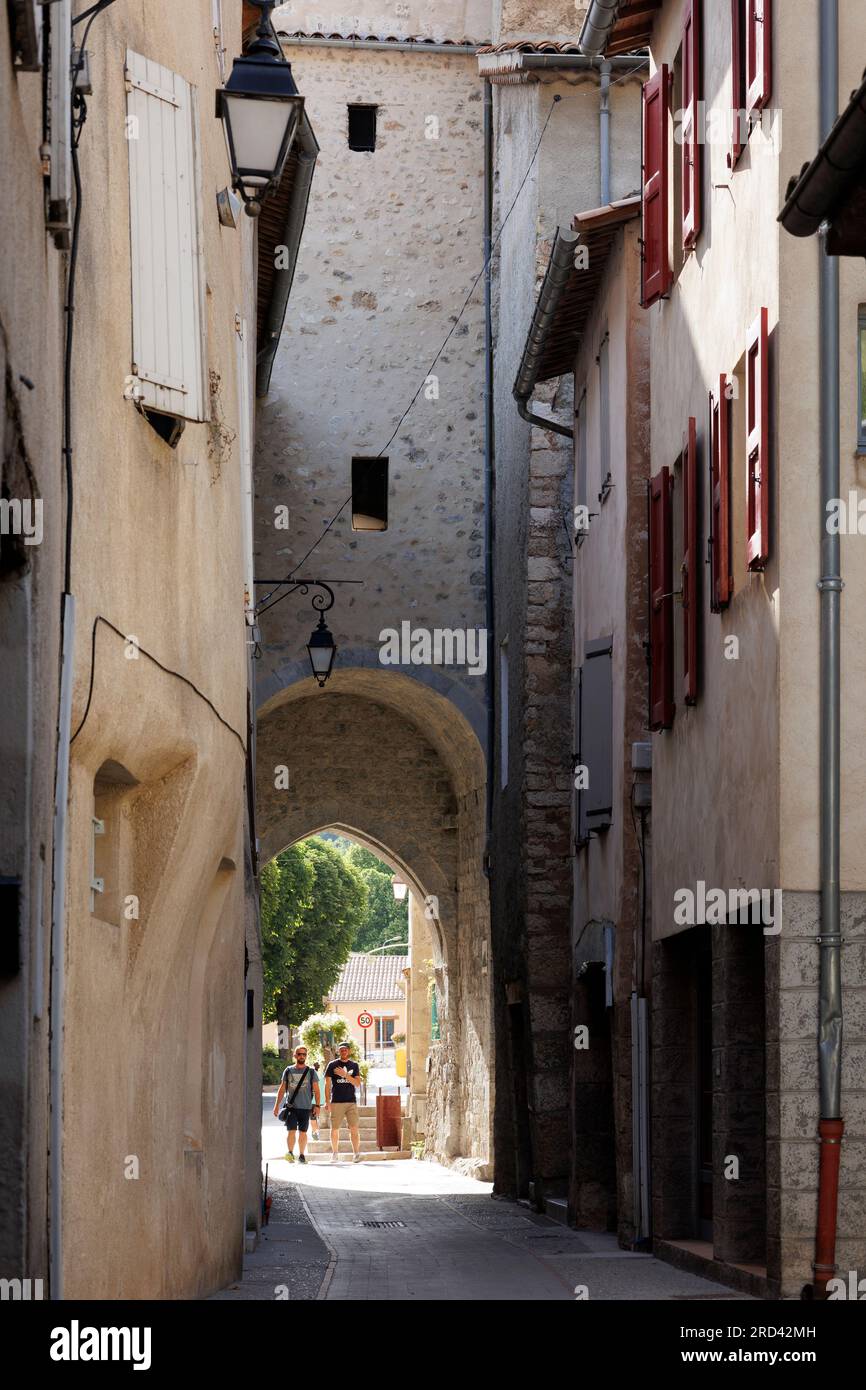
(321, 1146)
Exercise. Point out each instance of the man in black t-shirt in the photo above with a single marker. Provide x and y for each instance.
(342, 1079)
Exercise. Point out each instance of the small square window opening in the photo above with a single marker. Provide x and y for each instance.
(369, 494)
(362, 128)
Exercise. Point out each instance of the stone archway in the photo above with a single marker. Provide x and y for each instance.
(397, 766)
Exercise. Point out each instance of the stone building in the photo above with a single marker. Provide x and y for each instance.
(370, 469)
(564, 136)
(756, 775)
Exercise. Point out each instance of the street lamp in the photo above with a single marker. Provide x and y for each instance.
(260, 108)
(322, 649)
(400, 889)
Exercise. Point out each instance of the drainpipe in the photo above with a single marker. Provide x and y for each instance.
(489, 461)
(58, 953)
(830, 1124)
(604, 133)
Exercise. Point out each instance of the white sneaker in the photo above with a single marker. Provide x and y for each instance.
(335, 1158)
(357, 1158)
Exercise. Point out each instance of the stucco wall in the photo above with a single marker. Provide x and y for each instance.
(157, 551)
(31, 339)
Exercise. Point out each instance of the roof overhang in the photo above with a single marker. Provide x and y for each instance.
(281, 224)
(832, 188)
(617, 26)
(567, 294)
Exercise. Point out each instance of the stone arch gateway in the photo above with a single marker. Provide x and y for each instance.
(398, 767)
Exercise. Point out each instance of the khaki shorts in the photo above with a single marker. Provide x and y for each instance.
(343, 1110)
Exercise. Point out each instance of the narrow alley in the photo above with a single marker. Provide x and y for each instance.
(407, 1229)
(432, 656)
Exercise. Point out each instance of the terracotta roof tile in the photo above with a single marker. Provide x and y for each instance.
(368, 980)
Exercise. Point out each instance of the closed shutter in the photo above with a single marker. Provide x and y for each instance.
(655, 263)
(690, 570)
(759, 54)
(595, 804)
(661, 602)
(720, 498)
(691, 146)
(167, 293)
(758, 443)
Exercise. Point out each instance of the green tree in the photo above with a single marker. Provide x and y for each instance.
(385, 918)
(311, 909)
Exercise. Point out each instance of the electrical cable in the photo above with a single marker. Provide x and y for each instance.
(264, 604)
(167, 669)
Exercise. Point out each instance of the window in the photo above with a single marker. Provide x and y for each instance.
(595, 753)
(751, 68)
(362, 128)
(655, 262)
(720, 498)
(503, 714)
(661, 601)
(604, 417)
(369, 494)
(111, 789)
(60, 177)
(690, 567)
(861, 378)
(385, 1032)
(26, 34)
(758, 444)
(582, 465)
(691, 144)
(168, 357)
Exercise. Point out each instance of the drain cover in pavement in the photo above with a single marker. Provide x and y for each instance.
(382, 1225)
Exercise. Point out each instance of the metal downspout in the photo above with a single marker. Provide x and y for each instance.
(604, 134)
(489, 463)
(830, 1125)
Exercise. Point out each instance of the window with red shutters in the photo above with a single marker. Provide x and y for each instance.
(691, 147)
(758, 443)
(655, 265)
(720, 498)
(661, 601)
(759, 54)
(690, 572)
(739, 127)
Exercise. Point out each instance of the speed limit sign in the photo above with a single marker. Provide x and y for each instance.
(365, 1020)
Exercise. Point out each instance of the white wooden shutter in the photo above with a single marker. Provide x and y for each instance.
(245, 447)
(168, 356)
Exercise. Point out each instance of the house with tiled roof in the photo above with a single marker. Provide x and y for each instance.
(376, 985)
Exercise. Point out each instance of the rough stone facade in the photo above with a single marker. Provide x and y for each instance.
(532, 887)
(392, 754)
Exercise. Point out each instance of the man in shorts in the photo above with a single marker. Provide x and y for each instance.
(342, 1079)
(300, 1086)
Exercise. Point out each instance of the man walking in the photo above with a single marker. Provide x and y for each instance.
(300, 1085)
(342, 1079)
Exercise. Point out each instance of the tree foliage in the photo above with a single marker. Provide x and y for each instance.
(385, 919)
(313, 902)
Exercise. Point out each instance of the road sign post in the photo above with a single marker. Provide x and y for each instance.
(365, 1021)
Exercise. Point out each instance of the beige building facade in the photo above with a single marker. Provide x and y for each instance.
(733, 313)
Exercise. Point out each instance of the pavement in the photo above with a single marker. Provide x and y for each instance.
(412, 1229)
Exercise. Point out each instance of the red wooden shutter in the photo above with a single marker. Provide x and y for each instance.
(690, 563)
(738, 94)
(758, 443)
(759, 54)
(691, 147)
(720, 498)
(655, 267)
(661, 602)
